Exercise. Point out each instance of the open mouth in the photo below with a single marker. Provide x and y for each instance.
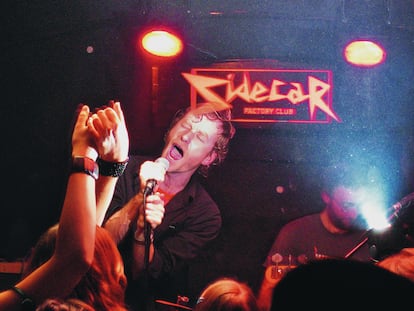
(176, 152)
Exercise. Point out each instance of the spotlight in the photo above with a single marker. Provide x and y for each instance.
(162, 43)
(364, 53)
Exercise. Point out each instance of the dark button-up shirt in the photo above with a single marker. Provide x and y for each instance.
(192, 219)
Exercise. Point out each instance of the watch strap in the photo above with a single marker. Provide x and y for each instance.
(85, 165)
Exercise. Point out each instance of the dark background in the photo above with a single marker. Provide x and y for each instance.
(46, 73)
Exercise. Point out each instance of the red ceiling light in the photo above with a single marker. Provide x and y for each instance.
(162, 43)
(364, 53)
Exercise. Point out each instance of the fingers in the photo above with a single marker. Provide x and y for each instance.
(119, 112)
(83, 115)
(107, 119)
(154, 211)
(104, 122)
(81, 121)
(100, 125)
(107, 128)
(82, 142)
(91, 127)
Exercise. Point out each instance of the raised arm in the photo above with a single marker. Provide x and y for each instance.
(109, 129)
(76, 235)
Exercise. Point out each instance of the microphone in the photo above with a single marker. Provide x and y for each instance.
(151, 183)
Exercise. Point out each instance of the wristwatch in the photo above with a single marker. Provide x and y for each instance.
(85, 165)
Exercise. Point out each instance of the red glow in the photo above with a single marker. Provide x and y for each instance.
(364, 53)
(162, 43)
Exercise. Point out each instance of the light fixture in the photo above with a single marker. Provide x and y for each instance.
(162, 43)
(364, 53)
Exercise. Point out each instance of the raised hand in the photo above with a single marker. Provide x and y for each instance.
(82, 140)
(108, 128)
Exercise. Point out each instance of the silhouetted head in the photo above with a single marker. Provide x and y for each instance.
(339, 283)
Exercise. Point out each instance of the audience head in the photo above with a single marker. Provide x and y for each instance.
(227, 294)
(42, 251)
(103, 286)
(57, 304)
(401, 263)
(349, 283)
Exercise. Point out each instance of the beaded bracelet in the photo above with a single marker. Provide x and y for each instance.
(113, 169)
(27, 302)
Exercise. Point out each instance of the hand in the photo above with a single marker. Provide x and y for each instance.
(154, 209)
(82, 141)
(108, 128)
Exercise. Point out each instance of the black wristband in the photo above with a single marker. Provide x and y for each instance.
(85, 165)
(113, 169)
(27, 302)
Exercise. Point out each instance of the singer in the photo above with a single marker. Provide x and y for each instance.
(183, 217)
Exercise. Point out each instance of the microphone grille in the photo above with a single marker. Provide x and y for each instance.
(164, 162)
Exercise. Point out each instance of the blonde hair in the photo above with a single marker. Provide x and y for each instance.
(227, 294)
(401, 263)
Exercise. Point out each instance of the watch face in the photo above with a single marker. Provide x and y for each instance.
(95, 172)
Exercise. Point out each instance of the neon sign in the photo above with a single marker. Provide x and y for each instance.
(267, 95)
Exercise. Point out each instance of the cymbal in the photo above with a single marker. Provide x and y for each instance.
(172, 304)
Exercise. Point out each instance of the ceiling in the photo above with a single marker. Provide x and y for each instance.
(221, 29)
(53, 35)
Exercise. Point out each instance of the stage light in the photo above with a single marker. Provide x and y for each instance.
(162, 43)
(372, 207)
(364, 53)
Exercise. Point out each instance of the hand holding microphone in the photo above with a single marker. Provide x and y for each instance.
(150, 174)
(153, 172)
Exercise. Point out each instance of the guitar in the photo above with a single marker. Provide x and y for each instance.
(274, 273)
